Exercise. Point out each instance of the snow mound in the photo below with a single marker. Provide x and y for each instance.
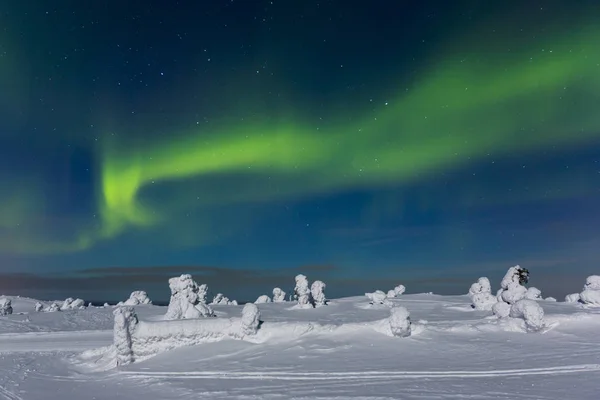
(399, 320)
(572, 298)
(531, 312)
(263, 299)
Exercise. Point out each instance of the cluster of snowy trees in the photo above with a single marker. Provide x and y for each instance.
(309, 296)
(512, 300)
(590, 294)
(66, 305)
(381, 297)
(220, 299)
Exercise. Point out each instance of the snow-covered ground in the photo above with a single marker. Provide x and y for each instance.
(332, 352)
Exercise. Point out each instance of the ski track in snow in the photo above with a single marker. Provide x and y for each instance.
(366, 375)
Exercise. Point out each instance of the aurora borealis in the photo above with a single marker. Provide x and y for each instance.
(408, 141)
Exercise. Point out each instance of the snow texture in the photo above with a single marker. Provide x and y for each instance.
(317, 292)
(263, 299)
(185, 301)
(278, 295)
(399, 320)
(531, 312)
(5, 306)
(302, 292)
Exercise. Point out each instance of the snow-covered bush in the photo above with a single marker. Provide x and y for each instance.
(572, 298)
(5, 306)
(501, 309)
(317, 292)
(378, 297)
(278, 295)
(591, 291)
(533, 293)
(530, 311)
(136, 298)
(400, 324)
(233, 303)
(250, 319)
(185, 299)
(481, 295)
(72, 304)
(106, 305)
(39, 307)
(263, 299)
(125, 322)
(550, 299)
(391, 294)
(53, 307)
(302, 291)
(399, 290)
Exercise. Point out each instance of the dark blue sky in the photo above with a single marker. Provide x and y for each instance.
(362, 143)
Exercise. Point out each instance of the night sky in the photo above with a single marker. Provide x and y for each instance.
(364, 143)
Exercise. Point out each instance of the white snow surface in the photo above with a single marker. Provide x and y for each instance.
(343, 351)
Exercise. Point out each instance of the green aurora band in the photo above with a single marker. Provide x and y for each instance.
(458, 111)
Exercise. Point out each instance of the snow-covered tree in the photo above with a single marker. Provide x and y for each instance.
(317, 291)
(263, 299)
(39, 307)
(136, 298)
(125, 322)
(378, 297)
(481, 295)
(250, 319)
(400, 324)
(302, 291)
(530, 311)
(591, 291)
(533, 293)
(185, 300)
(202, 293)
(512, 289)
(572, 298)
(399, 290)
(278, 295)
(5, 306)
(106, 305)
